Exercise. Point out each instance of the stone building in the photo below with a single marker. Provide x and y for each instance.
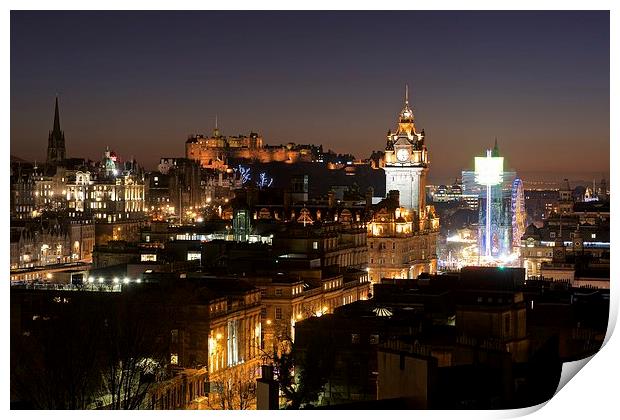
(401, 245)
(215, 151)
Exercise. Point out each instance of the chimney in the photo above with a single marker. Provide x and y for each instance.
(369, 194)
(331, 199)
(394, 195)
(266, 390)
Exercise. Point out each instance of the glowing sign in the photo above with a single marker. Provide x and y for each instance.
(489, 170)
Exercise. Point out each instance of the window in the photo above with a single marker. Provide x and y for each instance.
(594, 236)
(174, 336)
(374, 339)
(355, 338)
(315, 245)
(278, 292)
(278, 313)
(552, 235)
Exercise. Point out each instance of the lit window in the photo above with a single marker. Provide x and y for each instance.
(315, 245)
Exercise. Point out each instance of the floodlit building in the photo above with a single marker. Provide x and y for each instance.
(402, 234)
(400, 244)
(406, 161)
(214, 152)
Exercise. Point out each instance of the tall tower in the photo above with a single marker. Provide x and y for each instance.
(406, 161)
(56, 141)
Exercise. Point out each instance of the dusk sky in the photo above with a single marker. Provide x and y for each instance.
(141, 82)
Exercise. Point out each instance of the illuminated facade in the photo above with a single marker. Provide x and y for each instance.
(37, 243)
(406, 161)
(310, 292)
(400, 244)
(213, 152)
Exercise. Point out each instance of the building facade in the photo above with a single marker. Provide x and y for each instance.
(400, 244)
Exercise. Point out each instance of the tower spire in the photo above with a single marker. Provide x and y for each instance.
(216, 131)
(406, 93)
(56, 117)
(495, 148)
(56, 140)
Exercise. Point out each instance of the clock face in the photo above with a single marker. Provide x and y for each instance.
(402, 155)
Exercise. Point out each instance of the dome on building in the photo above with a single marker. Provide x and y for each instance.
(406, 115)
(382, 311)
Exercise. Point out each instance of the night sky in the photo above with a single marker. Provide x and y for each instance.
(141, 82)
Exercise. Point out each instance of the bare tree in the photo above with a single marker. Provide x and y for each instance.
(134, 355)
(303, 373)
(235, 389)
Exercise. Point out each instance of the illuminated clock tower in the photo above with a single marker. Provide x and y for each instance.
(406, 161)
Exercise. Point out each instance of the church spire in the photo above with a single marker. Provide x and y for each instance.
(56, 140)
(56, 118)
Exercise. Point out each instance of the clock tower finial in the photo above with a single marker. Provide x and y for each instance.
(407, 94)
(406, 161)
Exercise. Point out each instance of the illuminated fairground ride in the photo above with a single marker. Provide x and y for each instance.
(501, 221)
(518, 213)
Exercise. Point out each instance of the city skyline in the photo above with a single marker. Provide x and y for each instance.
(144, 106)
(276, 210)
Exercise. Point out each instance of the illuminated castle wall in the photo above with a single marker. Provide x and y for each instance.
(213, 152)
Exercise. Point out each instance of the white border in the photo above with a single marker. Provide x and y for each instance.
(591, 395)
